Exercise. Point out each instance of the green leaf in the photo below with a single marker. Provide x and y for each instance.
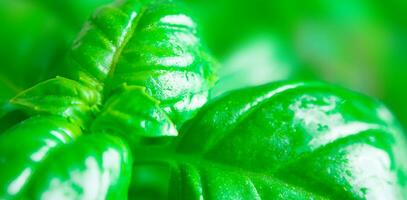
(130, 112)
(93, 167)
(137, 71)
(35, 37)
(153, 45)
(321, 36)
(45, 157)
(60, 96)
(287, 140)
(24, 148)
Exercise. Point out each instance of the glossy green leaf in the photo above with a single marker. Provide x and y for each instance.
(24, 148)
(44, 158)
(280, 141)
(60, 96)
(357, 44)
(137, 70)
(133, 113)
(153, 45)
(93, 167)
(289, 140)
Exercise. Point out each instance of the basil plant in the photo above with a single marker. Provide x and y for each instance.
(131, 118)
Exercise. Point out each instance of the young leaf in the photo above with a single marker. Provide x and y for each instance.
(281, 141)
(60, 96)
(129, 113)
(35, 38)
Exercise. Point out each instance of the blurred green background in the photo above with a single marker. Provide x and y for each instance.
(361, 45)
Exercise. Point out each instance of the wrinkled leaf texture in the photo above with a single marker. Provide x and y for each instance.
(136, 66)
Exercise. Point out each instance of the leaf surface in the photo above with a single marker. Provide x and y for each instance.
(287, 140)
(136, 71)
